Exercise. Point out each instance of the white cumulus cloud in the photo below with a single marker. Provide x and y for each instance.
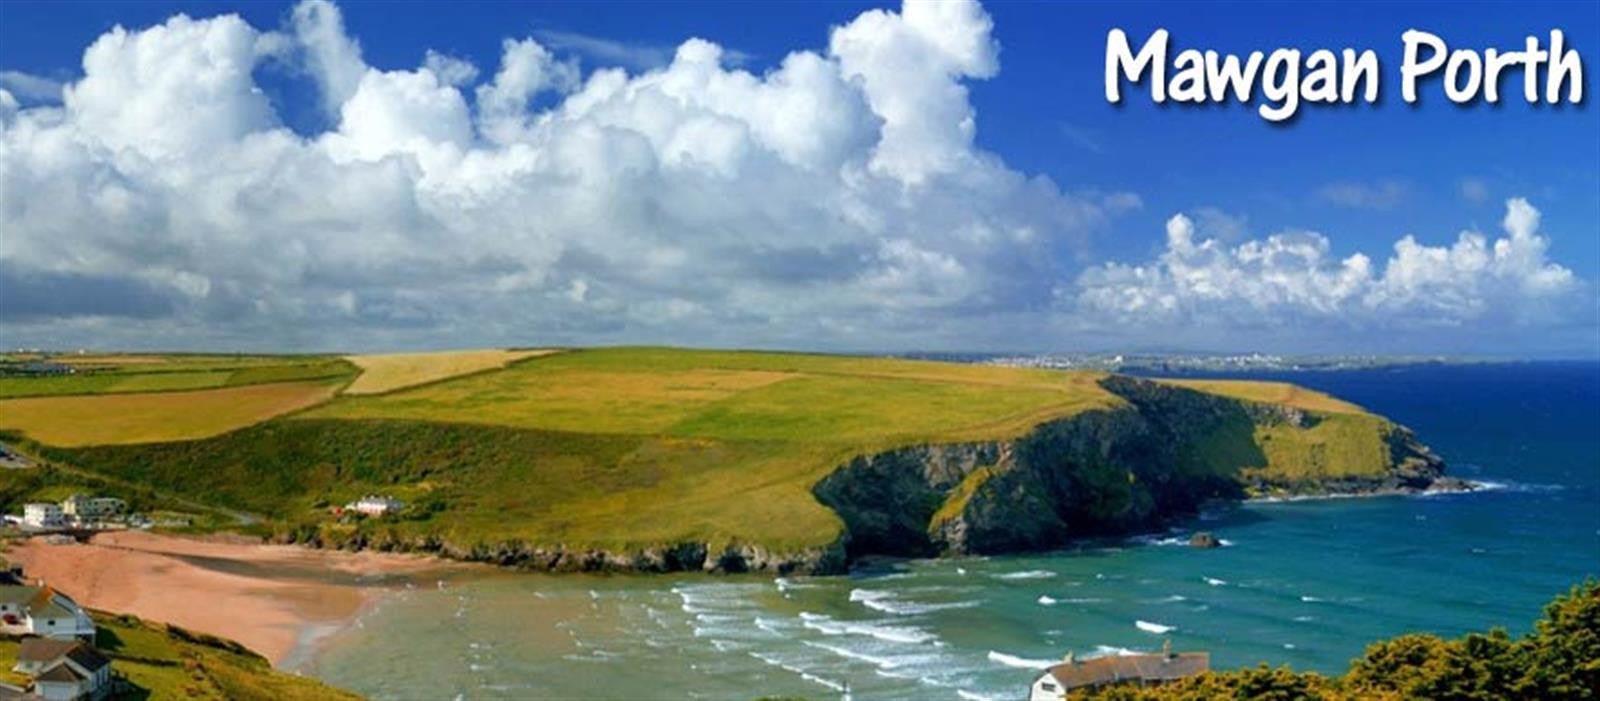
(835, 198)
(1294, 276)
(692, 202)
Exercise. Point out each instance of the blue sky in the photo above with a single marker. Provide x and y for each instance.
(1360, 176)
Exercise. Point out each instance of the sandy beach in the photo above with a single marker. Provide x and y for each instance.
(275, 599)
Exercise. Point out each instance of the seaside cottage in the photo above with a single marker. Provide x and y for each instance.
(1137, 670)
(64, 670)
(42, 611)
(375, 505)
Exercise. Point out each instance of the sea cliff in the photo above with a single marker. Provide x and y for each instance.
(1133, 468)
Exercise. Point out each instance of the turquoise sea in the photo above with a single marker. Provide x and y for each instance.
(1306, 583)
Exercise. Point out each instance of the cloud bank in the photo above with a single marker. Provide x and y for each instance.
(1292, 277)
(837, 200)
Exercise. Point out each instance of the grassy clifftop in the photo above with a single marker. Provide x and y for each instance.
(632, 448)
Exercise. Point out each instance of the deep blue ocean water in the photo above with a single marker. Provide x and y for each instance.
(1306, 583)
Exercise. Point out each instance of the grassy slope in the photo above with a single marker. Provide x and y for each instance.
(108, 419)
(613, 447)
(744, 396)
(386, 372)
(119, 374)
(640, 446)
(169, 663)
(1344, 442)
(1272, 393)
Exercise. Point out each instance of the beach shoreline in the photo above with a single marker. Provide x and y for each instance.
(280, 601)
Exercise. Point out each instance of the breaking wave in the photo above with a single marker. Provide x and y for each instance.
(1155, 628)
(1019, 662)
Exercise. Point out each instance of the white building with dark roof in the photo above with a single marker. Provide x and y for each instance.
(64, 670)
(1140, 670)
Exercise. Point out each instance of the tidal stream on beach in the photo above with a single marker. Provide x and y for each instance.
(1307, 583)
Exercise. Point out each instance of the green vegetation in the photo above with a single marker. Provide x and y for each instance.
(1560, 659)
(110, 419)
(1336, 445)
(614, 448)
(1272, 393)
(602, 448)
(166, 662)
(744, 396)
(386, 372)
(117, 374)
(53, 484)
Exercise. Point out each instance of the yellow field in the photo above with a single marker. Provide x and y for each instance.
(155, 416)
(387, 372)
(1272, 393)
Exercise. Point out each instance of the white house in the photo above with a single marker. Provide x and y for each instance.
(27, 610)
(43, 515)
(87, 508)
(64, 670)
(375, 505)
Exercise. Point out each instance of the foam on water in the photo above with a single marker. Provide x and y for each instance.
(888, 602)
(1110, 651)
(1052, 601)
(1020, 662)
(1156, 628)
(1027, 574)
(875, 660)
(827, 625)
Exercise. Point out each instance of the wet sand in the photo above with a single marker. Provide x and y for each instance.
(278, 600)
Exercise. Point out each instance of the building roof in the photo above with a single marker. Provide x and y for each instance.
(40, 650)
(1120, 668)
(12, 693)
(88, 657)
(60, 672)
(13, 594)
(48, 604)
(46, 650)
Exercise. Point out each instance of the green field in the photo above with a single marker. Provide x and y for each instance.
(121, 374)
(618, 447)
(164, 662)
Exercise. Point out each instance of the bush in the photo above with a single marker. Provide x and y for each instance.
(1560, 659)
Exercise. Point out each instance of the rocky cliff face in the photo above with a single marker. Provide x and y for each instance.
(677, 557)
(1099, 473)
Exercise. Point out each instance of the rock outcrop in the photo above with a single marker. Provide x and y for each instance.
(1106, 472)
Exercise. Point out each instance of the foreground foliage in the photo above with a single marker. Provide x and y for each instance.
(166, 662)
(1559, 659)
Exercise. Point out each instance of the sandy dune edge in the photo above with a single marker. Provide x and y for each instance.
(271, 598)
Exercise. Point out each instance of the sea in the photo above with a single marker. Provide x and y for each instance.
(1303, 583)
